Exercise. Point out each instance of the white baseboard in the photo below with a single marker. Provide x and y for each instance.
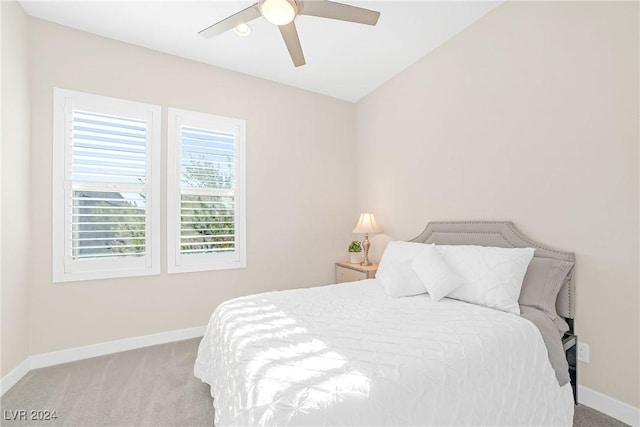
(88, 351)
(14, 376)
(608, 405)
(110, 347)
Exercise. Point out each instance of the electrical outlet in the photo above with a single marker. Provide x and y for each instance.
(583, 352)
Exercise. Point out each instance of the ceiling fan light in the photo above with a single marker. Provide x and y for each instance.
(278, 12)
(242, 29)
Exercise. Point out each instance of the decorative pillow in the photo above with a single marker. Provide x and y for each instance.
(395, 273)
(492, 276)
(543, 281)
(436, 275)
(561, 324)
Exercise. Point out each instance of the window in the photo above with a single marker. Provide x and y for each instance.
(106, 177)
(205, 192)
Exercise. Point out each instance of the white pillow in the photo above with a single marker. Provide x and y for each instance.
(436, 275)
(492, 276)
(395, 273)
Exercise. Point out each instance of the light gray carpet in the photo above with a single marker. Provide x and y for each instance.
(152, 386)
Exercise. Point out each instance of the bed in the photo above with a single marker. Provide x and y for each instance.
(349, 354)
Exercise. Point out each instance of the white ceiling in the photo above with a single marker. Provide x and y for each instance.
(344, 60)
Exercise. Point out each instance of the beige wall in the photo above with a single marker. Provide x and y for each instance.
(530, 115)
(14, 235)
(300, 188)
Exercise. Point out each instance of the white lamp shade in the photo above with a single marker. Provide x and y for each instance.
(367, 224)
(278, 12)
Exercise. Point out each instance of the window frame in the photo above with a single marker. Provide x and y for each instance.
(64, 268)
(177, 262)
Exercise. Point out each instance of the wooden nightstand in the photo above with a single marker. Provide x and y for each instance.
(347, 272)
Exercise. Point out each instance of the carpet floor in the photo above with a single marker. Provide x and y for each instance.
(152, 386)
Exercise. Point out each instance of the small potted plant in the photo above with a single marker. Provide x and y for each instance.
(355, 251)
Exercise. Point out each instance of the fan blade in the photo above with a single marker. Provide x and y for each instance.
(245, 15)
(339, 11)
(291, 39)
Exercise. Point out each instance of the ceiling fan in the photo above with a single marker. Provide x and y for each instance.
(283, 12)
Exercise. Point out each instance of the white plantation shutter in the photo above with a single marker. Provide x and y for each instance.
(108, 152)
(106, 219)
(205, 189)
(108, 224)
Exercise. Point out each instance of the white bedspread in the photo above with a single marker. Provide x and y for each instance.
(348, 354)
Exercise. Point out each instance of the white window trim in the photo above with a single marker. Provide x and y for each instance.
(65, 270)
(177, 263)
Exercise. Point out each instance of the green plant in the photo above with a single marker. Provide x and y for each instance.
(355, 246)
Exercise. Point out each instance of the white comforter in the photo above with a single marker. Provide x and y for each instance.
(350, 355)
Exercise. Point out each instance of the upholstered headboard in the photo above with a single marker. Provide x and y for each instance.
(501, 234)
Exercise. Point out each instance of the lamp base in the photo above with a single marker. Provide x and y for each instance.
(365, 246)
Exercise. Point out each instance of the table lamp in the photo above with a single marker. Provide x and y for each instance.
(366, 224)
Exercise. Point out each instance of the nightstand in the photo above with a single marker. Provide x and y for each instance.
(347, 272)
(570, 345)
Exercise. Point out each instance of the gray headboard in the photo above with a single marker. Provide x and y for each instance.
(501, 234)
